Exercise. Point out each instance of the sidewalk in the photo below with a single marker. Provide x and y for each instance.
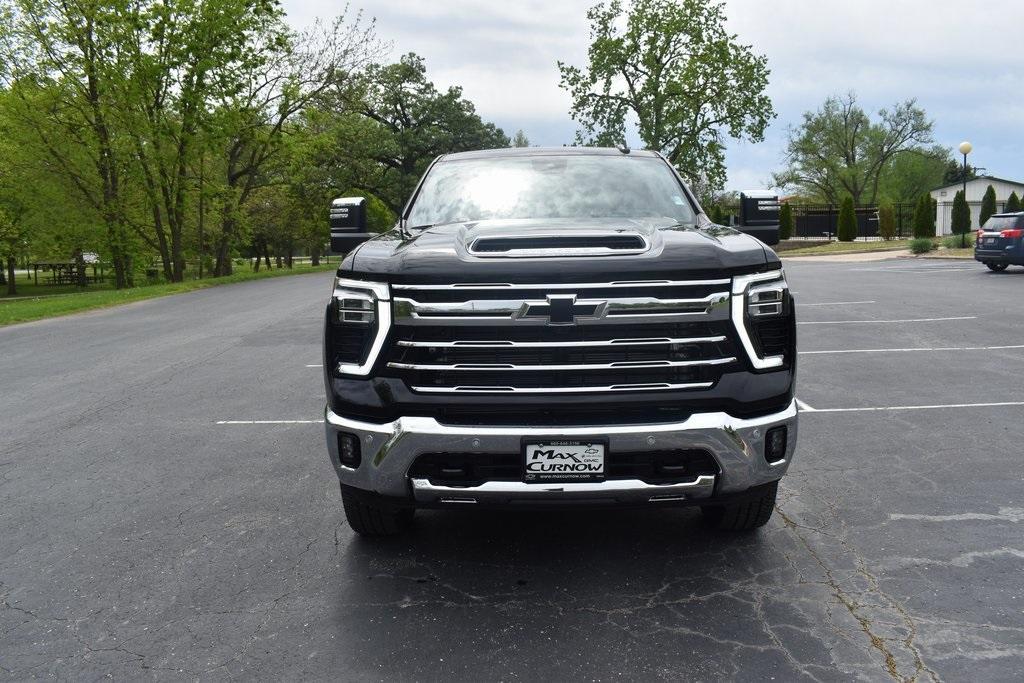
(851, 258)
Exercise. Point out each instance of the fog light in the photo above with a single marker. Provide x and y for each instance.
(348, 450)
(775, 445)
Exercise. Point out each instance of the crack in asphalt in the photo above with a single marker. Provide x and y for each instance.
(853, 602)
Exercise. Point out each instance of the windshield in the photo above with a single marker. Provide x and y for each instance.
(550, 186)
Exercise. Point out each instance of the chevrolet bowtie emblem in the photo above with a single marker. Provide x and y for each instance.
(562, 309)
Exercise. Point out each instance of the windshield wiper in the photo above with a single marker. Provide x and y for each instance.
(433, 225)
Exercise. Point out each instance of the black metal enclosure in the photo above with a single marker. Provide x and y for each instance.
(348, 223)
(759, 215)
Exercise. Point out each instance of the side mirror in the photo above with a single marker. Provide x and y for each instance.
(759, 216)
(348, 223)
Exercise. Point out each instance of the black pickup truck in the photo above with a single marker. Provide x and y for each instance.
(556, 327)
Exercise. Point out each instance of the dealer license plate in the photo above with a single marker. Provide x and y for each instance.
(990, 240)
(563, 461)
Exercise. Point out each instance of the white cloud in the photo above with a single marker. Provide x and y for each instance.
(954, 57)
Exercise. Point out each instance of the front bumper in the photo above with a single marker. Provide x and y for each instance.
(389, 450)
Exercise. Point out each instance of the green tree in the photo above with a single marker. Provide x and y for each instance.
(906, 176)
(1012, 204)
(417, 123)
(847, 229)
(717, 215)
(671, 66)
(285, 75)
(924, 217)
(886, 221)
(988, 206)
(838, 150)
(960, 215)
(954, 172)
(63, 61)
(787, 224)
(520, 139)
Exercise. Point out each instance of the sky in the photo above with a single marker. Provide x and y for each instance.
(963, 62)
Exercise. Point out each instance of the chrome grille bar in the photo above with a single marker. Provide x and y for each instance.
(656, 386)
(515, 311)
(620, 365)
(615, 284)
(508, 344)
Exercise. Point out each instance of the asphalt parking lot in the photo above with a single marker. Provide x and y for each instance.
(168, 511)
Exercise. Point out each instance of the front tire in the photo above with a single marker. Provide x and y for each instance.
(744, 515)
(996, 267)
(371, 518)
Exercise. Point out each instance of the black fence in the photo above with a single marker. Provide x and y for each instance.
(821, 221)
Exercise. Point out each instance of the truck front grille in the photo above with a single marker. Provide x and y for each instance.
(500, 338)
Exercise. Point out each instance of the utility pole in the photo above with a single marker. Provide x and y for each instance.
(965, 149)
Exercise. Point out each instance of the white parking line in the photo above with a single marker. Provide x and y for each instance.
(804, 408)
(883, 409)
(270, 422)
(315, 365)
(922, 348)
(907, 320)
(1006, 514)
(835, 303)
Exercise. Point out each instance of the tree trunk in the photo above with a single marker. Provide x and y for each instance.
(314, 257)
(177, 257)
(80, 268)
(12, 287)
(266, 254)
(222, 264)
(165, 255)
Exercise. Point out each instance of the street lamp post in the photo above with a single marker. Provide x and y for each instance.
(965, 149)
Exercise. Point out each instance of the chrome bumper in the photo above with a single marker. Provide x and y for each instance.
(389, 449)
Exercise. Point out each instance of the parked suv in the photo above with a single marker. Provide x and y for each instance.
(1000, 241)
(556, 327)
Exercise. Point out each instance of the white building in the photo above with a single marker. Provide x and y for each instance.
(975, 191)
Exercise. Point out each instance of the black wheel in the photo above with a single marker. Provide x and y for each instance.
(996, 267)
(744, 515)
(369, 518)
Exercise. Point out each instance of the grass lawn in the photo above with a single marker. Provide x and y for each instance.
(47, 302)
(801, 248)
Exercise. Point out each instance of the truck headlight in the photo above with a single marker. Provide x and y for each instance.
(762, 315)
(767, 300)
(358, 320)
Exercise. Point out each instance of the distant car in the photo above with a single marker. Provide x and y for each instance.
(1001, 241)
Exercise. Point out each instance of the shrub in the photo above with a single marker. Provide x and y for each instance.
(717, 217)
(988, 206)
(921, 245)
(886, 222)
(787, 225)
(957, 241)
(924, 218)
(847, 230)
(1013, 203)
(960, 215)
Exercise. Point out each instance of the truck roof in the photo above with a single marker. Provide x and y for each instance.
(545, 151)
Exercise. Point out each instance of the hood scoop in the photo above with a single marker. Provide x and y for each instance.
(534, 245)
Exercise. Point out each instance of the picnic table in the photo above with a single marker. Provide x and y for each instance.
(65, 272)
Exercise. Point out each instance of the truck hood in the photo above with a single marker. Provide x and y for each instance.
(655, 249)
